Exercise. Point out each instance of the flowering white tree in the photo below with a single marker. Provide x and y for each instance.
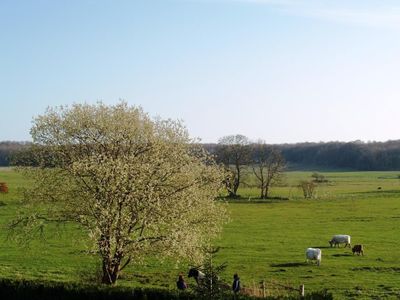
(137, 185)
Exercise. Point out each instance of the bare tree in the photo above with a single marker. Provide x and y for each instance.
(233, 152)
(267, 165)
(137, 186)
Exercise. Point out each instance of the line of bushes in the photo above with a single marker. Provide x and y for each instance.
(33, 290)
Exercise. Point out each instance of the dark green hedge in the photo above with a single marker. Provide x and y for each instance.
(32, 290)
(23, 290)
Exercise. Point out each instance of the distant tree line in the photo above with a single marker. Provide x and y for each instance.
(8, 149)
(372, 156)
(358, 156)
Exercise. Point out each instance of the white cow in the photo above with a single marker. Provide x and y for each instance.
(314, 254)
(340, 239)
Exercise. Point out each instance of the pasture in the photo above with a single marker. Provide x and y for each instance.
(265, 240)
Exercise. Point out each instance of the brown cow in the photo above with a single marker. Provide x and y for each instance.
(359, 249)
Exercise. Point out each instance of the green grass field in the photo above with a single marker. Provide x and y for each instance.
(263, 241)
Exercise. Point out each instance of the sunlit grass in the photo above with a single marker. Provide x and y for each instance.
(264, 241)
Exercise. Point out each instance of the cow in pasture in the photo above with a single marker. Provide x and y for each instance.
(314, 254)
(340, 239)
(359, 249)
(196, 274)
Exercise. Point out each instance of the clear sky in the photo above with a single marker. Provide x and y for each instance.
(281, 71)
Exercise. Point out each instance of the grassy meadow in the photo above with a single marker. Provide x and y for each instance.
(265, 240)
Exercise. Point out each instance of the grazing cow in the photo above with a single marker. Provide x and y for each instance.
(340, 239)
(359, 249)
(314, 254)
(196, 274)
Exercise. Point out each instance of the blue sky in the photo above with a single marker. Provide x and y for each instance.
(281, 71)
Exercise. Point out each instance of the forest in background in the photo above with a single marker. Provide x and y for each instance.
(357, 155)
(351, 156)
(8, 150)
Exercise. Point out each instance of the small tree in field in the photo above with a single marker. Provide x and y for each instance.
(138, 186)
(308, 188)
(318, 177)
(212, 286)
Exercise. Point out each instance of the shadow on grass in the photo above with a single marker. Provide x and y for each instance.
(377, 192)
(356, 219)
(289, 265)
(240, 199)
(377, 269)
(342, 254)
(321, 247)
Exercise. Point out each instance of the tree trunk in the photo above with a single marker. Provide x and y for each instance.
(262, 192)
(111, 263)
(266, 191)
(235, 187)
(110, 271)
(236, 181)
